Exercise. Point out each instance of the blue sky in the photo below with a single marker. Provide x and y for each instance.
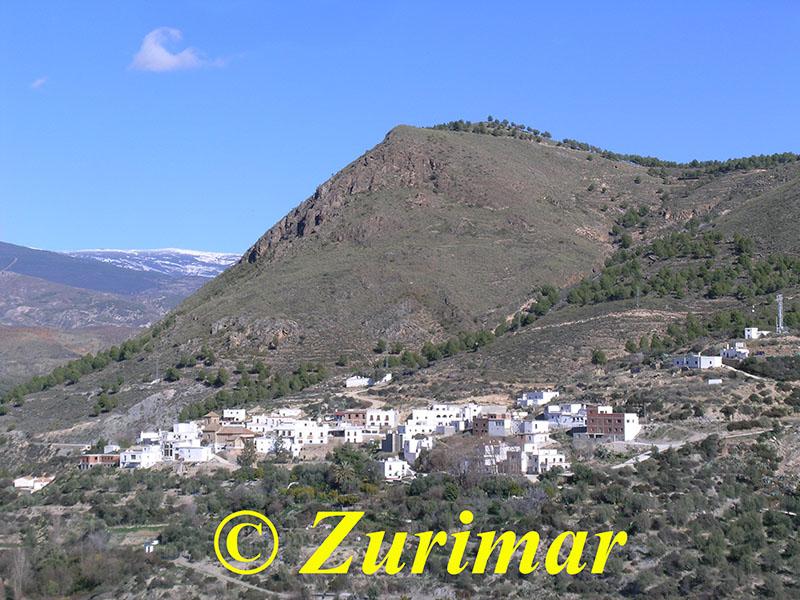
(206, 148)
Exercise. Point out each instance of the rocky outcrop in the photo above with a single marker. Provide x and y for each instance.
(397, 162)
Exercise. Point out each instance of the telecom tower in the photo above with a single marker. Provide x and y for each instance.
(779, 327)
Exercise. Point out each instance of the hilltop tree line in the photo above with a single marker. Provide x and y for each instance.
(496, 127)
(691, 169)
(694, 168)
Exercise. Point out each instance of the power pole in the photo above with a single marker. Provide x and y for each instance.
(779, 327)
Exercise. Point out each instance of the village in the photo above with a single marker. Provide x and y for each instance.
(513, 439)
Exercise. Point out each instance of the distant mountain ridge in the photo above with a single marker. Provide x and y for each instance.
(167, 261)
(55, 306)
(76, 272)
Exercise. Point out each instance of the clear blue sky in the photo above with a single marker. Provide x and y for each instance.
(208, 148)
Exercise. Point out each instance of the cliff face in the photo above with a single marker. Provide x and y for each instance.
(394, 163)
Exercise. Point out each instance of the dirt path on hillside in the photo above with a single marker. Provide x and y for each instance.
(745, 373)
(640, 313)
(678, 444)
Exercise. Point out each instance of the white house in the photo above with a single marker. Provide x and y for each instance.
(536, 398)
(385, 379)
(738, 351)
(140, 457)
(534, 426)
(697, 361)
(234, 415)
(426, 421)
(545, 459)
(149, 437)
(300, 432)
(395, 469)
(378, 418)
(110, 449)
(193, 454)
(566, 416)
(182, 434)
(353, 434)
(501, 426)
(32, 484)
(754, 333)
(357, 381)
(266, 423)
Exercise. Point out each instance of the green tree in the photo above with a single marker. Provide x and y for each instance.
(247, 457)
(222, 377)
(599, 357)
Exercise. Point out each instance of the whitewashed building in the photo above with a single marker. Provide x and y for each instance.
(738, 351)
(536, 398)
(395, 469)
(304, 431)
(234, 415)
(193, 454)
(754, 333)
(697, 361)
(269, 422)
(32, 484)
(357, 381)
(187, 435)
(265, 444)
(377, 419)
(545, 459)
(149, 437)
(353, 434)
(566, 416)
(140, 457)
(426, 421)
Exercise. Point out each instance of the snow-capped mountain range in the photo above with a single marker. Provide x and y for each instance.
(169, 261)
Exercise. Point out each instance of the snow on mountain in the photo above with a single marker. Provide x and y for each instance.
(169, 261)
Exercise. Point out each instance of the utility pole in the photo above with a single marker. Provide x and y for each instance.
(779, 327)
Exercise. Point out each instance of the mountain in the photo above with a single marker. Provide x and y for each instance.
(168, 261)
(56, 307)
(76, 272)
(473, 265)
(434, 232)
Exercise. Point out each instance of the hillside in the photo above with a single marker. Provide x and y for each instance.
(472, 267)
(55, 308)
(427, 233)
(771, 217)
(434, 232)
